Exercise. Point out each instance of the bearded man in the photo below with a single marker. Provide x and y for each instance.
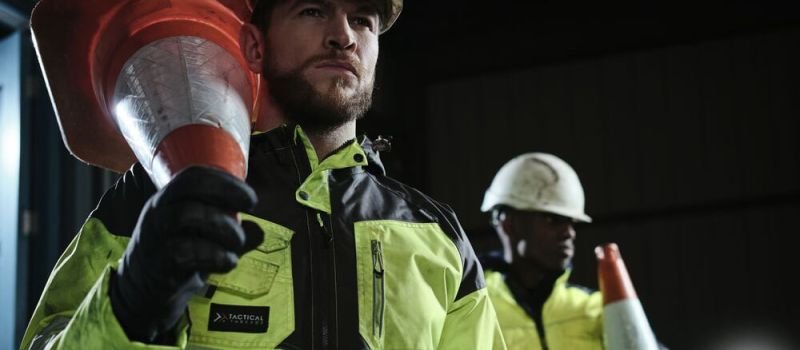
(331, 253)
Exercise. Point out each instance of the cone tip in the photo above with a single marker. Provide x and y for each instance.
(613, 277)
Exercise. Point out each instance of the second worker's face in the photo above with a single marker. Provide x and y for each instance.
(320, 60)
(544, 239)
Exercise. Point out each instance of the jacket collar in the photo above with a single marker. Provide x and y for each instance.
(314, 190)
(374, 163)
(293, 135)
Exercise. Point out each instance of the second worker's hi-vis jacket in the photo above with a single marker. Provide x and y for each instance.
(351, 259)
(571, 317)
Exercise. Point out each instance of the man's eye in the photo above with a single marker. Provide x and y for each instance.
(314, 12)
(552, 219)
(363, 21)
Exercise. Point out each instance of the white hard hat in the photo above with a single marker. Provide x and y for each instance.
(538, 182)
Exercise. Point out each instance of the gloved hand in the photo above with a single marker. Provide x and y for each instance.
(185, 231)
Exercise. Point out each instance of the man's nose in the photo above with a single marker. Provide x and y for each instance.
(340, 35)
(568, 231)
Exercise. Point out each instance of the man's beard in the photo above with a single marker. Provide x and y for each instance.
(316, 112)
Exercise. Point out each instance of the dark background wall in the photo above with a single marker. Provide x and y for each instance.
(681, 120)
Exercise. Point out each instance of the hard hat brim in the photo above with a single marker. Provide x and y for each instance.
(491, 201)
(390, 10)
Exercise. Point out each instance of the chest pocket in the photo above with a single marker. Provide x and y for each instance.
(408, 275)
(262, 282)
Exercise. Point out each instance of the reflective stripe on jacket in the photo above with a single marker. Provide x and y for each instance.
(572, 316)
(351, 260)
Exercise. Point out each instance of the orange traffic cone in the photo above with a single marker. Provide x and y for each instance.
(624, 322)
(164, 82)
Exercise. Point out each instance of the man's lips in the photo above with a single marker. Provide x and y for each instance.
(342, 65)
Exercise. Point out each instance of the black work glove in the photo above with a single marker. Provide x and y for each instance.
(186, 231)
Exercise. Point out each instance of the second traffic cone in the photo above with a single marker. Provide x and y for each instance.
(624, 322)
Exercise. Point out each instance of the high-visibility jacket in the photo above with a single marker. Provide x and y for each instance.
(351, 259)
(571, 316)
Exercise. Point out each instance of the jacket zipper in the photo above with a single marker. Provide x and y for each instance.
(377, 289)
(310, 250)
(327, 233)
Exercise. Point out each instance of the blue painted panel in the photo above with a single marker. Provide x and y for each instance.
(10, 99)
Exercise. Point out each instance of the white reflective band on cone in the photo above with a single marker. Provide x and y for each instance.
(177, 81)
(626, 326)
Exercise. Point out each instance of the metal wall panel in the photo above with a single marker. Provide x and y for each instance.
(671, 127)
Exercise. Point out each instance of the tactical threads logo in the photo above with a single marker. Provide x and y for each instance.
(235, 318)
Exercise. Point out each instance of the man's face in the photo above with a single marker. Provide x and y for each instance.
(544, 239)
(320, 60)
